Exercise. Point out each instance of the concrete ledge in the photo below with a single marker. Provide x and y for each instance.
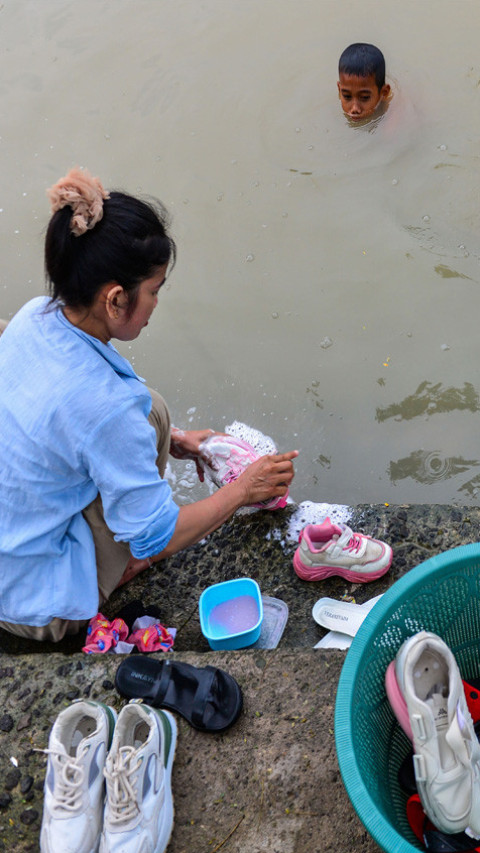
(271, 782)
(257, 546)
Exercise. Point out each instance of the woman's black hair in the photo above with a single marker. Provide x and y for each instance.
(361, 60)
(126, 246)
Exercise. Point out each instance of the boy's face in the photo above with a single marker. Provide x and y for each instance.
(360, 96)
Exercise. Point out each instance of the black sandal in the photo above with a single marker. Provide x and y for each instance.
(209, 698)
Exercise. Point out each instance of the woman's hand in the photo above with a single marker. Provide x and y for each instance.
(185, 444)
(268, 477)
(133, 568)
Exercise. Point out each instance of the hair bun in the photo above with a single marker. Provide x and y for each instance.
(84, 194)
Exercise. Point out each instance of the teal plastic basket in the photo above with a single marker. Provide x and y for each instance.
(440, 595)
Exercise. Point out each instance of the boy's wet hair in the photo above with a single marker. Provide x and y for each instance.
(362, 60)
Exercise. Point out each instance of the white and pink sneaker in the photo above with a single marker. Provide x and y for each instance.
(426, 693)
(334, 549)
(225, 458)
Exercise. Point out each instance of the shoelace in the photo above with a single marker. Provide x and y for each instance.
(69, 778)
(232, 475)
(121, 795)
(354, 543)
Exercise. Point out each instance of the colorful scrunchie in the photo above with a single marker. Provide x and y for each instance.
(103, 635)
(154, 638)
(148, 636)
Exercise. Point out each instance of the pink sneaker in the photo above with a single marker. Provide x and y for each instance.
(333, 549)
(228, 457)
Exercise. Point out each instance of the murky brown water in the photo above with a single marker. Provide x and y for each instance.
(328, 284)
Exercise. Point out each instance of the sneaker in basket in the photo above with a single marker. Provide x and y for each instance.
(74, 784)
(426, 693)
(138, 770)
(333, 549)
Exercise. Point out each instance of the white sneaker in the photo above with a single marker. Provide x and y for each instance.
(424, 680)
(74, 785)
(139, 805)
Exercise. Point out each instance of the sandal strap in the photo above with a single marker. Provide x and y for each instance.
(202, 695)
(164, 682)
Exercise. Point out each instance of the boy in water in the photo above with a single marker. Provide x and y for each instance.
(361, 85)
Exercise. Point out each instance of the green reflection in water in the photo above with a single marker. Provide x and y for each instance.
(430, 399)
(471, 487)
(429, 466)
(315, 396)
(446, 272)
(447, 166)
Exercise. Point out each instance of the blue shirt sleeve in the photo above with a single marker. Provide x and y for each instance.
(120, 456)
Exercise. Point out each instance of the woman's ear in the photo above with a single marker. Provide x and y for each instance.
(114, 299)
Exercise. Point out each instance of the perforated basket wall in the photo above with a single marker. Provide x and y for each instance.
(440, 595)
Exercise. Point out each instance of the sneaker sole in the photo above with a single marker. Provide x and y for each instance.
(318, 573)
(164, 839)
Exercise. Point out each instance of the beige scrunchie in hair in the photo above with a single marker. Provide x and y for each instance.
(84, 194)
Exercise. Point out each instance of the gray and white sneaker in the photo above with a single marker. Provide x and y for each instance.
(74, 785)
(424, 681)
(139, 805)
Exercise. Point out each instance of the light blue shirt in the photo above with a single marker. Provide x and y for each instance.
(73, 422)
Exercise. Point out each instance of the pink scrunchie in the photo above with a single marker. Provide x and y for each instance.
(155, 638)
(103, 635)
(84, 194)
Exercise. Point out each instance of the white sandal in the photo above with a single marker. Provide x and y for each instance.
(342, 618)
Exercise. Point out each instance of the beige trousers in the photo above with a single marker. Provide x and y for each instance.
(111, 557)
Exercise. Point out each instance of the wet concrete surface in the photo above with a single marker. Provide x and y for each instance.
(271, 782)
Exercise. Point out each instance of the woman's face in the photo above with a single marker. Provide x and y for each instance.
(129, 325)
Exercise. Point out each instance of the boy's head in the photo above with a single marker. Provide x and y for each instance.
(361, 85)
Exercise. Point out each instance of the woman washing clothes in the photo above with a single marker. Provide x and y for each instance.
(84, 506)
